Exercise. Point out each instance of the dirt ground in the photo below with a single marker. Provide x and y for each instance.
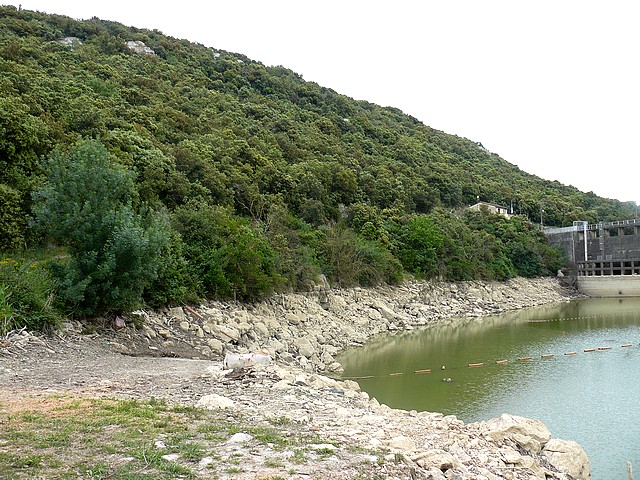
(40, 373)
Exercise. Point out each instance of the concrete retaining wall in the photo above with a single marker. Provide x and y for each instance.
(610, 286)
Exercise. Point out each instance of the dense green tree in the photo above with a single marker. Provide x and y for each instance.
(86, 204)
(225, 253)
(351, 260)
(421, 244)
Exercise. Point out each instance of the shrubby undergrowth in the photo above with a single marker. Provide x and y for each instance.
(119, 253)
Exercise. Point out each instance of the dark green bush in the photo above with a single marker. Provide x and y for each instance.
(227, 256)
(352, 260)
(86, 204)
(27, 296)
(12, 219)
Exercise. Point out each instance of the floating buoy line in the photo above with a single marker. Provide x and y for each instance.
(584, 317)
(546, 356)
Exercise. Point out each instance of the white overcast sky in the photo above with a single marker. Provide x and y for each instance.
(552, 86)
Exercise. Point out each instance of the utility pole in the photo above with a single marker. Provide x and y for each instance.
(585, 243)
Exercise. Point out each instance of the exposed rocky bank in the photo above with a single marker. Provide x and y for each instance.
(303, 332)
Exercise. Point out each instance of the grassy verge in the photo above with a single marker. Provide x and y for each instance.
(63, 437)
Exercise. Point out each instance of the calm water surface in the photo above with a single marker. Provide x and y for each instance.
(590, 397)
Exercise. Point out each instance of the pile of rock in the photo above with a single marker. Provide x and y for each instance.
(308, 330)
(432, 445)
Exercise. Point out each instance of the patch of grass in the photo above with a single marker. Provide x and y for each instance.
(191, 450)
(270, 436)
(273, 463)
(299, 456)
(234, 470)
(324, 451)
(281, 421)
(96, 472)
(69, 438)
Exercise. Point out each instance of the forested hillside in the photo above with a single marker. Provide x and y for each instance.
(179, 171)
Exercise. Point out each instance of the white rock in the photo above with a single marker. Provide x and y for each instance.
(343, 412)
(282, 385)
(215, 402)
(261, 330)
(402, 443)
(177, 312)
(510, 455)
(323, 446)
(294, 318)
(530, 434)
(240, 438)
(215, 345)
(226, 333)
(439, 459)
(569, 457)
(335, 367)
(140, 47)
(305, 347)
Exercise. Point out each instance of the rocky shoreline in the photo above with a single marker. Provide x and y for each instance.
(307, 330)
(303, 332)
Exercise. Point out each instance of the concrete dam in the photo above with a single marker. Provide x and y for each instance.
(604, 257)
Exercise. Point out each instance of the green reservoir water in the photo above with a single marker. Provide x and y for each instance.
(591, 397)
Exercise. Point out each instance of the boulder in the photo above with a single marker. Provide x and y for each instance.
(402, 443)
(305, 347)
(530, 434)
(215, 402)
(436, 458)
(226, 333)
(177, 312)
(569, 457)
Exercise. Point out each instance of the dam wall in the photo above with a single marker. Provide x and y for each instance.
(604, 257)
(610, 286)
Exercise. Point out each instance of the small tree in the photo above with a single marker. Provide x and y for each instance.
(420, 244)
(87, 204)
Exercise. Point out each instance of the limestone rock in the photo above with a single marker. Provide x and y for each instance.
(511, 456)
(73, 42)
(215, 345)
(326, 447)
(140, 47)
(436, 458)
(261, 330)
(215, 402)
(569, 457)
(240, 438)
(226, 333)
(402, 443)
(294, 318)
(530, 434)
(305, 347)
(177, 312)
(385, 311)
